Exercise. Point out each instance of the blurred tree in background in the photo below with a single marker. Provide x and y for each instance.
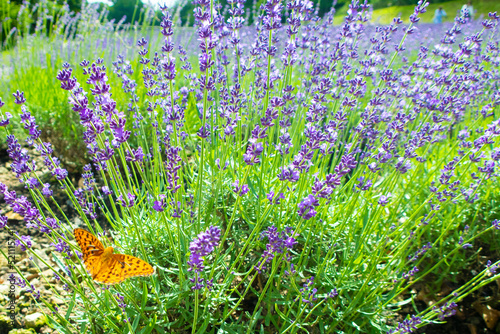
(121, 8)
(9, 14)
(74, 5)
(127, 8)
(324, 7)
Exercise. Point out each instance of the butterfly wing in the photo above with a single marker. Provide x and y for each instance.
(121, 267)
(93, 264)
(89, 244)
(92, 250)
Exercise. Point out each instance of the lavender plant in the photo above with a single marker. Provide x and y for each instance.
(299, 176)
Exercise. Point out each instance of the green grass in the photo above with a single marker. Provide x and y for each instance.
(385, 15)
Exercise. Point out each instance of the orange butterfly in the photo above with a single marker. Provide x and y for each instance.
(106, 267)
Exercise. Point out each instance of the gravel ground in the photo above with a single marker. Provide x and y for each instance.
(28, 315)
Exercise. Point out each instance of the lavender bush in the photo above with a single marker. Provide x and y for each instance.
(299, 175)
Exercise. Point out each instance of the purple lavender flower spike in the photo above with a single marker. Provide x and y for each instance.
(447, 310)
(160, 205)
(27, 240)
(496, 224)
(492, 267)
(407, 326)
(200, 247)
(308, 293)
(4, 120)
(19, 97)
(278, 243)
(3, 221)
(240, 190)
(384, 200)
(307, 207)
(128, 202)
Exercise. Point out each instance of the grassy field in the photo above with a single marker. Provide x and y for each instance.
(385, 15)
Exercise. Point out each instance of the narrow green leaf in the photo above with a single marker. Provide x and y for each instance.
(144, 295)
(70, 307)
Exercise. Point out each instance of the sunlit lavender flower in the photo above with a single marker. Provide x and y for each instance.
(3, 221)
(254, 150)
(46, 191)
(384, 199)
(240, 190)
(200, 247)
(106, 191)
(275, 199)
(278, 243)
(24, 243)
(161, 204)
(307, 207)
(21, 163)
(62, 247)
(29, 123)
(51, 223)
(19, 97)
(128, 202)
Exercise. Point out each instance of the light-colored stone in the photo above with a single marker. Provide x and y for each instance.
(11, 215)
(35, 320)
(4, 288)
(56, 301)
(22, 331)
(21, 262)
(44, 256)
(3, 260)
(47, 273)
